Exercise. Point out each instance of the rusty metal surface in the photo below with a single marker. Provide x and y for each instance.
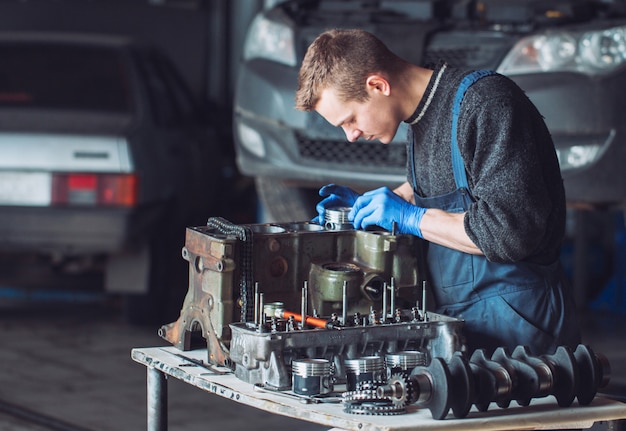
(286, 256)
(208, 306)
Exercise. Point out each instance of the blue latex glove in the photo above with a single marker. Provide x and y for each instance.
(382, 207)
(336, 196)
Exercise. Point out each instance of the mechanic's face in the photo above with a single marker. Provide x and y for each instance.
(372, 119)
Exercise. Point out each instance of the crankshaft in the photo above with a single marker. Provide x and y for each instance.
(459, 383)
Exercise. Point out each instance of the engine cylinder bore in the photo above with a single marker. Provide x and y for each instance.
(337, 218)
(326, 284)
(312, 376)
(304, 227)
(369, 369)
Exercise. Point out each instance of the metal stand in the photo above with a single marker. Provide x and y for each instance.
(157, 400)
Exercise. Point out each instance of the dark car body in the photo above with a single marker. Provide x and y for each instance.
(568, 56)
(104, 154)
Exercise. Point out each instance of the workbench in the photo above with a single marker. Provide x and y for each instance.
(191, 367)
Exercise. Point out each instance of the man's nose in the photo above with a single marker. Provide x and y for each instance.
(352, 134)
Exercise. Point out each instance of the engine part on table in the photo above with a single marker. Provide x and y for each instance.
(312, 376)
(458, 383)
(347, 271)
(366, 369)
(405, 361)
(337, 218)
(262, 353)
(277, 310)
(367, 402)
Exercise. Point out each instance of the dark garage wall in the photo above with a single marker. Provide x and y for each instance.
(202, 37)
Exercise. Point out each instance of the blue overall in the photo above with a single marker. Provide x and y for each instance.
(503, 304)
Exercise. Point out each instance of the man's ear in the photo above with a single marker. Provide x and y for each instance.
(378, 84)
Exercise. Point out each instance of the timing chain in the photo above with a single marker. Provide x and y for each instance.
(244, 234)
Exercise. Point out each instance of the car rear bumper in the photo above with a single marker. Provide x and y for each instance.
(71, 231)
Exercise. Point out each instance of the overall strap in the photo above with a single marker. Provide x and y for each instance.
(460, 177)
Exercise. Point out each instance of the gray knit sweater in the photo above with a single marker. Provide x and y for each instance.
(518, 212)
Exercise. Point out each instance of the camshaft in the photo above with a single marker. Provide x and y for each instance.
(459, 383)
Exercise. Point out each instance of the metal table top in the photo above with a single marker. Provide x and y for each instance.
(543, 413)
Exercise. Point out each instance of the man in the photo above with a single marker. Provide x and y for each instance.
(484, 188)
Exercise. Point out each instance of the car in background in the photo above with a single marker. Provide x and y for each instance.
(568, 56)
(105, 158)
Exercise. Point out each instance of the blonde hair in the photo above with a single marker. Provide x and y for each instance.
(343, 59)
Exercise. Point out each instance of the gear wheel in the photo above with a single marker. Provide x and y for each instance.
(399, 390)
(358, 396)
(373, 407)
(366, 401)
(365, 385)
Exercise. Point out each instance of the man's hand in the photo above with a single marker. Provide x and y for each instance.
(382, 207)
(336, 196)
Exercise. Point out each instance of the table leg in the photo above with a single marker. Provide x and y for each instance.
(157, 400)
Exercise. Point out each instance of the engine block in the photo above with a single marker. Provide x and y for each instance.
(363, 286)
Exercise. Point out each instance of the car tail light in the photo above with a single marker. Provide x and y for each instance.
(94, 189)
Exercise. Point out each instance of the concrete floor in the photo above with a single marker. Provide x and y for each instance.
(67, 367)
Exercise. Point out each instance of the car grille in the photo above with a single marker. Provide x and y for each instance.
(357, 154)
(466, 50)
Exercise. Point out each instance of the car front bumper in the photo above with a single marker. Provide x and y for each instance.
(581, 112)
(585, 114)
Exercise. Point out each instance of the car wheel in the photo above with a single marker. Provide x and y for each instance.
(281, 202)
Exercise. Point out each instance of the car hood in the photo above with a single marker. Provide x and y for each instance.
(533, 13)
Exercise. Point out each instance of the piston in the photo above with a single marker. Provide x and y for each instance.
(312, 376)
(337, 218)
(369, 369)
(404, 362)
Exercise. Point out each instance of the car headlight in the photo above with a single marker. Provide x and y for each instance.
(251, 140)
(592, 52)
(577, 156)
(271, 40)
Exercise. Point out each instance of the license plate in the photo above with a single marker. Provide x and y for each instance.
(25, 188)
